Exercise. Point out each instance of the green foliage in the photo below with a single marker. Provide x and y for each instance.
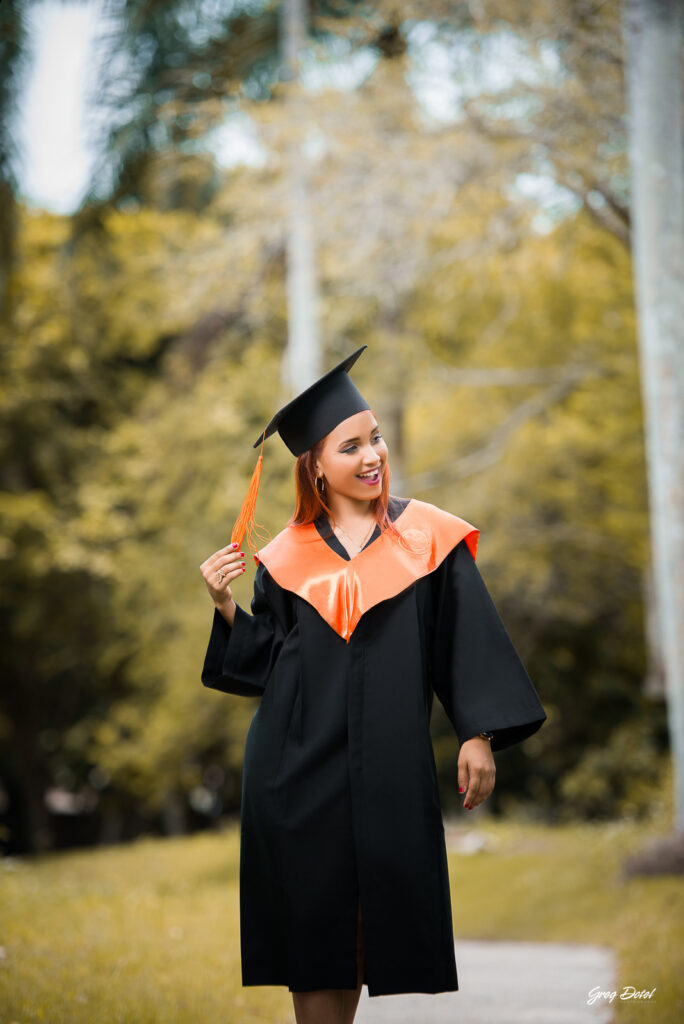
(623, 773)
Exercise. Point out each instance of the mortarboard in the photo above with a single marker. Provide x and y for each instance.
(301, 423)
(332, 399)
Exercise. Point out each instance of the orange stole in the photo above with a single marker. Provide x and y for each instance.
(342, 591)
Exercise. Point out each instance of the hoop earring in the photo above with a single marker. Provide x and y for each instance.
(320, 490)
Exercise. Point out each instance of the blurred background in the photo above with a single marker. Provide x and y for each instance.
(206, 204)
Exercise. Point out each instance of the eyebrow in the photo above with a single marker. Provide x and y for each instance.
(350, 439)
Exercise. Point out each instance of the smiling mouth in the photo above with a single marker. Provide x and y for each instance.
(371, 477)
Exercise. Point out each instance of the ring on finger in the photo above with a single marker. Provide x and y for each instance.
(219, 576)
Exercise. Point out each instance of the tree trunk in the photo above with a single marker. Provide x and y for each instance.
(653, 35)
(302, 362)
(32, 781)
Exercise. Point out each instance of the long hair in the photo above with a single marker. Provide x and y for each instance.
(310, 503)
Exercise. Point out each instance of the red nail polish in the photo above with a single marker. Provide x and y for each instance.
(242, 563)
(461, 789)
(234, 545)
(468, 807)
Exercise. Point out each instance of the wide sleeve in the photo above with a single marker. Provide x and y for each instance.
(240, 658)
(476, 671)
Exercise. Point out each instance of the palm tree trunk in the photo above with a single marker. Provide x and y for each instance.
(302, 362)
(653, 32)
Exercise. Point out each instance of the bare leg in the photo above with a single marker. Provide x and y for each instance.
(322, 1006)
(328, 1005)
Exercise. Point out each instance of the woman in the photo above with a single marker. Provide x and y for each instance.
(364, 606)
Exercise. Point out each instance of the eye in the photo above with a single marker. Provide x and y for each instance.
(352, 447)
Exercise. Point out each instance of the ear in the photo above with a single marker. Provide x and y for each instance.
(317, 463)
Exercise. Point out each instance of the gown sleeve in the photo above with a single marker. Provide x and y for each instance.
(239, 659)
(476, 672)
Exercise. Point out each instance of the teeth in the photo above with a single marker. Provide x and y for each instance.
(373, 472)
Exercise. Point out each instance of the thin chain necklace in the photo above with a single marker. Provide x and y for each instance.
(363, 542)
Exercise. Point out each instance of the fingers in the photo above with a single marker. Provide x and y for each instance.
(227, 557)
(227, 574)
(480, 788)
(219, 571)
(476, 775)
(217, 575)
(474, 793)
(229, 548)
(228, 561)
(462, 775)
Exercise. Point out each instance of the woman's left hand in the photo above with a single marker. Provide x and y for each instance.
(476, 771)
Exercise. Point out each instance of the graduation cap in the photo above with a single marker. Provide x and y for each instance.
(301, 423)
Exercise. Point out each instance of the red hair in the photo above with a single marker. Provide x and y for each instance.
(310, 503)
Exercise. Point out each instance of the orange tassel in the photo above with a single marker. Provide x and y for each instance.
(245, 523)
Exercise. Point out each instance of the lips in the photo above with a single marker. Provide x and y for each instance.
(374, 478)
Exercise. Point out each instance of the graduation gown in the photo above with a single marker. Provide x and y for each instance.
(340, 800)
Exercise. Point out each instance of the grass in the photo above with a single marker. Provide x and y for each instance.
(563, 884)
(149, 931)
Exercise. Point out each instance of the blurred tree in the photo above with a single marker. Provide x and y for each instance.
(12, 63)
(57, 390)
(175, 68)
(562, 116)
(99, 313)
(655, 32)
(303, 362)
(192, 64)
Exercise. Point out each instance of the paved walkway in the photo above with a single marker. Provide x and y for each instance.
(509, 983)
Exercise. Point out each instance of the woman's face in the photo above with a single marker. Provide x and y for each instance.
(354, 447)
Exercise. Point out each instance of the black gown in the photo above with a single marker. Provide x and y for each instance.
(340, 800)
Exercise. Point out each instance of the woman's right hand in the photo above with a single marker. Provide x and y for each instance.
(227, 563)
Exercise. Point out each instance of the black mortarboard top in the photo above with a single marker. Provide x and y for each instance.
(306, 419)
(332, 399)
